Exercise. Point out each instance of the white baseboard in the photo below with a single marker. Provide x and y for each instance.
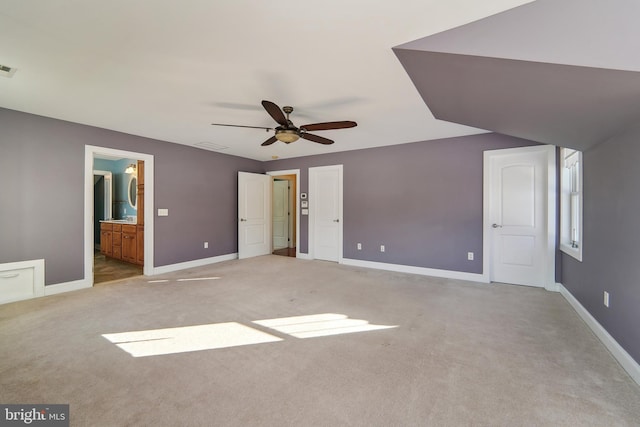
(66, 287)
(447, 274)
(619, 353)
(553, 287)
(191, 264)
(304, 256)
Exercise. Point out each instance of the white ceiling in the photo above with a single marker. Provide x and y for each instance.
(166, 70)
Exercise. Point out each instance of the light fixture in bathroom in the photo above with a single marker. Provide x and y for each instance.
(130, 169)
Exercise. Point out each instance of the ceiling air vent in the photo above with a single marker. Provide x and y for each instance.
(211, 146)
(7, 71)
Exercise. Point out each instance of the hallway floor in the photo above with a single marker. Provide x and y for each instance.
(285, 252)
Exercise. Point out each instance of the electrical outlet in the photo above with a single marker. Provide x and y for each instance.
(359, 246)
(206, 245)
(381, 248)
(470, 256)
(606, 299)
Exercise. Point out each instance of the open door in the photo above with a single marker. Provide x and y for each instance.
(254, 214)
(280, 214)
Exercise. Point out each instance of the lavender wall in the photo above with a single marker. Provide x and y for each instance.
(423, 201)
(611, 235)
(42, 207)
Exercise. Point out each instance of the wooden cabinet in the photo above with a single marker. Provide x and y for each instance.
(140, 172)
(140, 193)
(116, 241)
(106, 238)
(122, 241)
(129, 243)
(140, 244)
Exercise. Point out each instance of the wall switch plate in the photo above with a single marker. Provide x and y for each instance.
(304, 212)
(163, 212)
(381, 248)
(606, 299)
(206, 245)
(359, 246)
(470, 256)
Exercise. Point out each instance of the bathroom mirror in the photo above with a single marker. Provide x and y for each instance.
(133, 191)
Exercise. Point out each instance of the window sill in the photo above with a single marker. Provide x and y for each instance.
(571, 251)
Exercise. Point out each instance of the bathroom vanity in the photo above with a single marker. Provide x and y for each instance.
(122, 240)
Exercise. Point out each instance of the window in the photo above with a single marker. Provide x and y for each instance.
(571, 239)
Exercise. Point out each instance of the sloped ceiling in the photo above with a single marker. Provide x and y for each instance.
(562, 72)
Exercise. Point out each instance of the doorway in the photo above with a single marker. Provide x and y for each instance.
(143, 227)
(286, 184)
(284, 215)
(102, 200)
(520, 216)
(255, 218)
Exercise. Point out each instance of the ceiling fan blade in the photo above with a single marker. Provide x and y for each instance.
(241, 126)
(269, 141)
(275, 112)
(329, 125)
(316, 138)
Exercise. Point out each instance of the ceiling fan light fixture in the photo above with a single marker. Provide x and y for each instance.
(287, 135)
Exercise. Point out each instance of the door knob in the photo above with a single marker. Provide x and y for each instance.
(496, 226)
(242, 219)
(336, 220)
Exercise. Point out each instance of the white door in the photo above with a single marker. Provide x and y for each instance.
(325, 209)
(280, 214)
(520, 221)
(254, 214)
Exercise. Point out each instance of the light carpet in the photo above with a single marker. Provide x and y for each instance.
(431, 351)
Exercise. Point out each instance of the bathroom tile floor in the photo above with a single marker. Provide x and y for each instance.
(107, 269)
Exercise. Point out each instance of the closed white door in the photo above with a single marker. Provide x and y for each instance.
(325, 204)
(254, 214)
(518, 219)
(280, 214)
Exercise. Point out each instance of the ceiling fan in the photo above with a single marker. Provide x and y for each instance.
(287, 132)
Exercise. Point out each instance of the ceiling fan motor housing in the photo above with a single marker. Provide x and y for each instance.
(287, 135)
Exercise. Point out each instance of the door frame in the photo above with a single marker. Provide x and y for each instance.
(286, 216)
(108, 201)
(295, 172)
(89, 154)
(551, 205)
(312, 210)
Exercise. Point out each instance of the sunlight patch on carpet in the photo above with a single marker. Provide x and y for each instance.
(156, 342)
(320, 325)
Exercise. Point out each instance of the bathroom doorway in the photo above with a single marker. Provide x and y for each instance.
(118, 230)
